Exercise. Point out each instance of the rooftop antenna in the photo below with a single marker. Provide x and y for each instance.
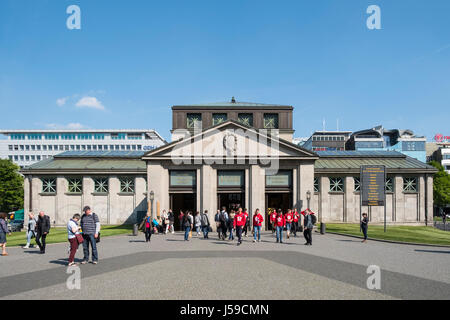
(233, 100)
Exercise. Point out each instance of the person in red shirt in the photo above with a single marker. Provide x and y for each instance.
(273, 216)
(280, 223)
(245, 229)
(239, 223)
(295, 222)
(289, 218)
(257, 223)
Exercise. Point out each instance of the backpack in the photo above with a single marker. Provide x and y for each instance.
(216, 217)
(222, 217)
(313, 219)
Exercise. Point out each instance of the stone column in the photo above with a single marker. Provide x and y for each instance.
(258, 191)
(248, 189)
(429, 202)
(113, 212)
(158, 182)
(209, 192)
(399, 199)
(349, 187)
(325, 205)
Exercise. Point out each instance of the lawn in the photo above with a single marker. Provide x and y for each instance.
(57, 235)
(413, 234)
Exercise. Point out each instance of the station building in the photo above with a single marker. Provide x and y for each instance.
(227, 154)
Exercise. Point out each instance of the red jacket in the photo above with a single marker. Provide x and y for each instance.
(273, 215)
(296, 216)
(289, 217)
(246, 215)
(280, 221)
(257, 220)
(239, 220)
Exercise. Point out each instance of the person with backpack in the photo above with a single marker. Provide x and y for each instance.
(257, 224)
(295, 225)
(238, 224)
(90, 226)
(205, 224)
(217, 221)
(171, 218)
(147, 226)
(42, 230)
(289, 219)
(364, 226)
(73, 232)
(197, 223)
(309, 222)
(273, 216)
(31, 231)
(223, 218)
(280, 223)
(3, 232)
(245, 229)
(188, 222)
(230, 228)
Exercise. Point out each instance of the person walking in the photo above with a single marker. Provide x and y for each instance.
(42, 230)
(280, 223)
(289, 219)
(247, 222)
(171, 217)
(205, 224)
(188, 222)
(31, 230)
(238, 224)
(308, 225)
(147, 227)
(231, 217)
(364, 225)
(257, 224)
(223, 218)
(198, 223)
(90, 226)
(73, 232)
(218, 224)
(165, 221)
(296, 218)
(273, 216)
(3, 231)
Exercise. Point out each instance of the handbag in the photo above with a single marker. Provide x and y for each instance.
(80, 238)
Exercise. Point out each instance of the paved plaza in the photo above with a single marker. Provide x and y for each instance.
(335, 267)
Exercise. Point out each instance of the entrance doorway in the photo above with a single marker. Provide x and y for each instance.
(275, 201)
(231, 201)
(182, 202)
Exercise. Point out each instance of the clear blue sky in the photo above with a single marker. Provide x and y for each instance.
(133, 59)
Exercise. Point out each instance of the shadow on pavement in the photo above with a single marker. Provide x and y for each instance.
(432, 251)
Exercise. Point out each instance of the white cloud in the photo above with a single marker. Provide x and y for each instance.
(71, 126)
(90, 102)
(61, 101)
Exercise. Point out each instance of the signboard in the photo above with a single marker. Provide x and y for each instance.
(183, 178)
(230, 178)
(281, 179)
(373, 180)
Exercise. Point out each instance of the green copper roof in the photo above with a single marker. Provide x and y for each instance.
(88, 164)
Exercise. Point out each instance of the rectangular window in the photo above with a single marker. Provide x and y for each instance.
(193, 120)
(51, 136)
(180, 178)
(38, 147)
(72, 147)
(389, 184)
(18, 136)
(68, 136)
(50, 147)
(336, 184)
(99, 136)
(316, 184)
(101, 185)
(270, 121)
(246, 119)
(75, 185)
(94, 147)
(219, 118)
(410, 185)
(44, 147)
(38, 158)
(48, 185)
(282, 179)
(10, 147)
(84, 136)
(134, 136)
(55, 147)
(16, 158)
(127, 184)
(231, 178)
(118, 136)
(357, 184)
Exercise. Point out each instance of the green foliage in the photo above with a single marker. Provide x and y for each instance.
(11, 186)
(441, 185)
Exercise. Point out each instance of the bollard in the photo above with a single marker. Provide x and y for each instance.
(135, 229)
(322, 228)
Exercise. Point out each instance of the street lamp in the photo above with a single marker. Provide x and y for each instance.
(152, 197)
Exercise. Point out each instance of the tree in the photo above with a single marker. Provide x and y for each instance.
(11, 186)
(441, 185)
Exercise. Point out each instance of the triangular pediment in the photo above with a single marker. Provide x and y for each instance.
(231, 139)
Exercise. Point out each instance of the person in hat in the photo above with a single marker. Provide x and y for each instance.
(90, 226)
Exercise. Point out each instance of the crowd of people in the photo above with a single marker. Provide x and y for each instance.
(85, 229)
